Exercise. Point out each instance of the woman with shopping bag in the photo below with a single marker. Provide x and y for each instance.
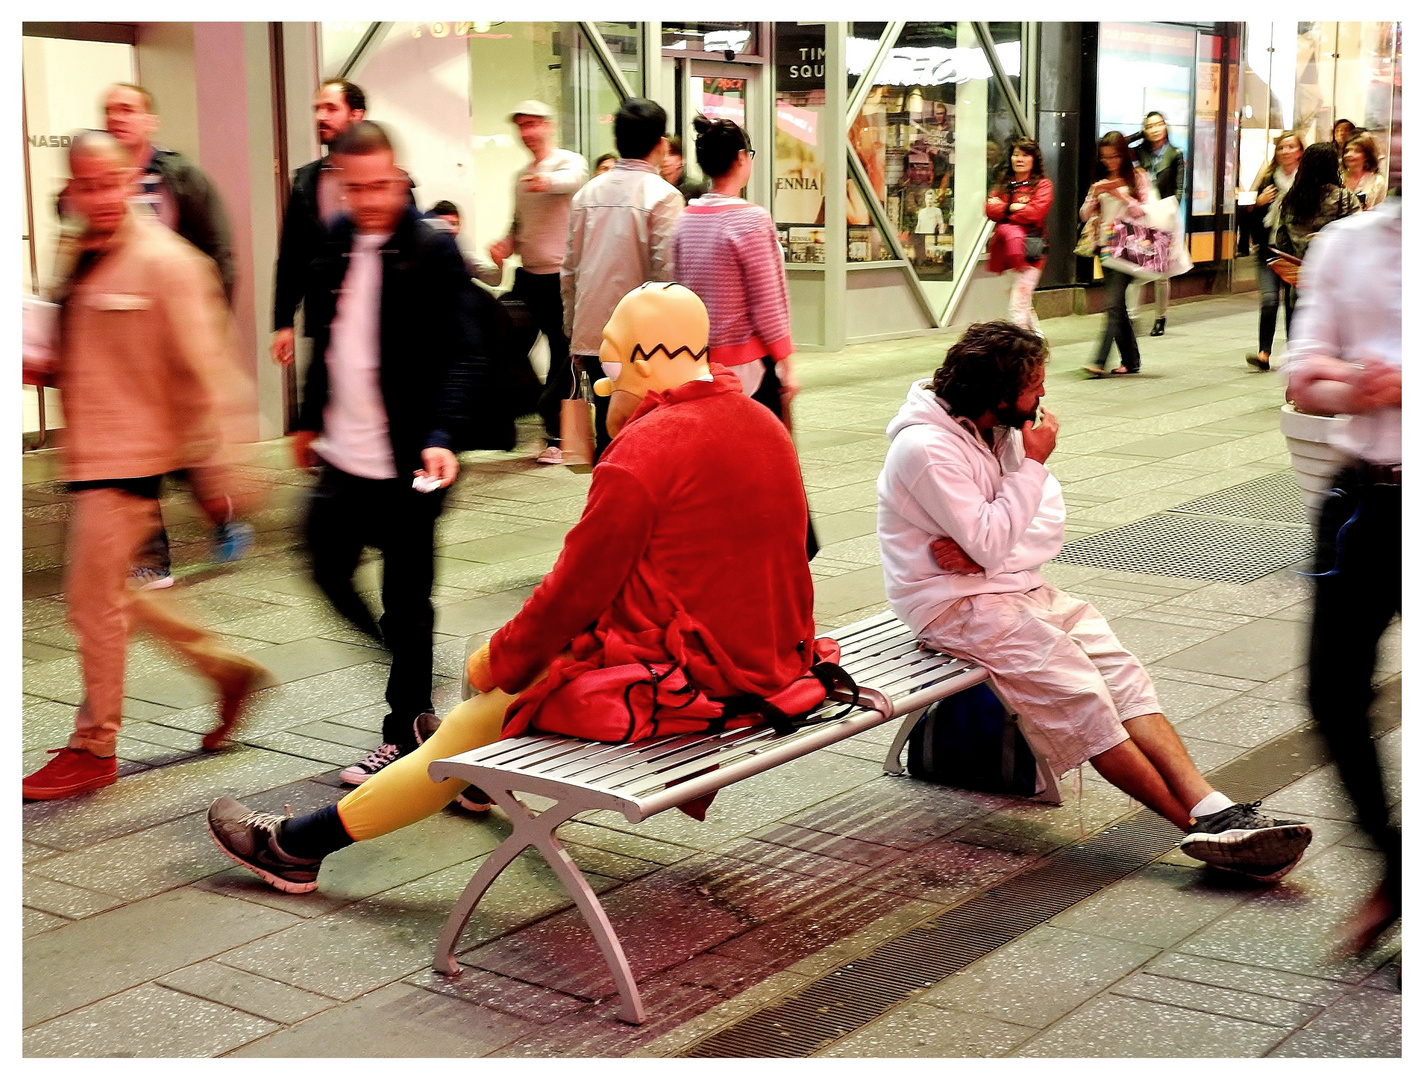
(1019, 203)
(1167, 169)
(1273, 183)
(1117, 200)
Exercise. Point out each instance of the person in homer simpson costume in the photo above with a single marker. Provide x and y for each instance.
(687, 565)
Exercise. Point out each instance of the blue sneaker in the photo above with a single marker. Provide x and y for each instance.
(231, 541)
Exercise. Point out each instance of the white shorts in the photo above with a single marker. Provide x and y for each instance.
(1056, 663)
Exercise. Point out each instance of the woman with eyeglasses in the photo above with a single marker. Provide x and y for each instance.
(727, 251)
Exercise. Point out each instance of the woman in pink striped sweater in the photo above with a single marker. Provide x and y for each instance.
(725, 250)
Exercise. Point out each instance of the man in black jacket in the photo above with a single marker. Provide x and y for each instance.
(179, 192)
(311, 210)
(1167, 169)
(400, 378)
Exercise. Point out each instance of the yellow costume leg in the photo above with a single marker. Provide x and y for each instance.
(402, 792)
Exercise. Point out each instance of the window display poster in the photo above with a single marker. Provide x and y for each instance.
(807, 245)
(1141, 68)
(799, 197)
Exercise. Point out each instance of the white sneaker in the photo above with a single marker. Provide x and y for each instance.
(150, 577)
(552, 455)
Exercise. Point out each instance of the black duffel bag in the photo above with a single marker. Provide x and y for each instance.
(967, 741)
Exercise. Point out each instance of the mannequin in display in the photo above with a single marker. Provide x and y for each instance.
(930, 222)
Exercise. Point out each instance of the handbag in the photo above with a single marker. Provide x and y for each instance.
(1138, 250)
(967, 741)
(1087, 238)
(575, 424)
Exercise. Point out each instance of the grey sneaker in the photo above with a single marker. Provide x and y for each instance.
(249, 838)
(1240, 838)
(1267, 873)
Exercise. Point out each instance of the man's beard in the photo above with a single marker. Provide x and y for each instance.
(1009, 415)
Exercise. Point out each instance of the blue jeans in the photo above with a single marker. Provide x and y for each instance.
(1118, 328)
(1270, 287)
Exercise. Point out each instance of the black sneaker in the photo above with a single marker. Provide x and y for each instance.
(249, 838)
(1240, 836)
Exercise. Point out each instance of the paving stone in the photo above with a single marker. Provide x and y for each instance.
(482, 614)
(897, 812)
(1364, 1024)
(96, 957)
(1158, 905)
(1261, 1008)
(946, 871)
(491, 991)
(37, 922)
(69, 901)
(1246, 721)
(1039, 977)
(624, 841)
(243, 990)
(805, 851)
(1263, 650)
(925, 1031)
(396, 1021)
(1113, 1026)
(147, 1021)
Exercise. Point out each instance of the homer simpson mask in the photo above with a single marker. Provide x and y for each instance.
(656, 339)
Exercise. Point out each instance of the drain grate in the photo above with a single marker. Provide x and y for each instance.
(1182, 545)
(864, 989)
(1276, 497)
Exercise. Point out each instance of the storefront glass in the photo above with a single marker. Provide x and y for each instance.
(713, 38)
(624, 41)
(804, 128)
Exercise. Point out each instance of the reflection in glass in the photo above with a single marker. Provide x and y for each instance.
(737, 38)
(338, 42)
(861, 41)
(624, 41)
(802, 131)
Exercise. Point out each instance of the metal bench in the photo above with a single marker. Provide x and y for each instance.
(896, 676)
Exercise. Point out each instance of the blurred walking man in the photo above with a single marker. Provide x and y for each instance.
(619, 236)
(399, 363)
(147, 372)
(543, 198)
(1346, 359)
(312, 209)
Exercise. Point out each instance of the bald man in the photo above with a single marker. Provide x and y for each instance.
(148, 379)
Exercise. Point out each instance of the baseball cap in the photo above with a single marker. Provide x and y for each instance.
(530, 108)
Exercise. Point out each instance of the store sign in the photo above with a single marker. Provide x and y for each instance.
(800, 58)
(49, 140)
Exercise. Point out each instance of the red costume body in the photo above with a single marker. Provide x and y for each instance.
(690, 552)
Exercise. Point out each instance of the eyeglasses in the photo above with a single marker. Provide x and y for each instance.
(750, 152)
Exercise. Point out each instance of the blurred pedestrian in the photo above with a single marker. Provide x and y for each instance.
(619, 236)
(674, 171)
(180, 195)
(1345, 359)
(1340, 134)
(1167, 169)
(1019, 202)
(312, 208)
(445, 214)
(603, 163)
(1316, 198)
(400, 363)
(1120, 192)
(1361, 171)
(149, 379)
(1271, 186)
(543, 199)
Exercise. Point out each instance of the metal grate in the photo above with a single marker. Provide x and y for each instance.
(864, 989)
(1276, 498)
(1181, 545)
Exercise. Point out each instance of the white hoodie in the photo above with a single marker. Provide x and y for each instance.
(940, 479)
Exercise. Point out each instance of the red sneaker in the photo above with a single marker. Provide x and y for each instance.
(71, 772)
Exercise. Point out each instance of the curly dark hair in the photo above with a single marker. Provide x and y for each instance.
(992, 363)
(1027, 146)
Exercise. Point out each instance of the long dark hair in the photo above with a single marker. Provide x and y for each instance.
(1318, 172)
(1114, 140)
(1027, 146)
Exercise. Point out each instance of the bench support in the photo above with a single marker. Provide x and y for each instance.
(536, 830)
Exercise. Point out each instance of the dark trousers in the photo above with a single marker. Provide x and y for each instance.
(1357, 591)
(769, 395)
(540, 294)
(350, 513)
(1118, 328)
(1271, 287)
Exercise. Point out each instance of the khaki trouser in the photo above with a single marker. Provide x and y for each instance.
(107, 528)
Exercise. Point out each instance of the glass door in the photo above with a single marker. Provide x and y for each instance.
(719, 91)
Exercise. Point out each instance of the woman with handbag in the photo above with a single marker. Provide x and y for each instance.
(1316, 198)
(1120, 194)
(1019, 203)
(1270, 187)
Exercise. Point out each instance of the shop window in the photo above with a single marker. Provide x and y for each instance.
(804, 129)
(339, 41)
(861, 41)
(624, 42)
(928, 136)
(721, 39)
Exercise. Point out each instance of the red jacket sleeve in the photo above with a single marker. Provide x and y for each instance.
(598, 555)
(1034, 214)
(996, 207)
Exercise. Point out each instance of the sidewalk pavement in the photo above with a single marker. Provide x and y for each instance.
(141, 939)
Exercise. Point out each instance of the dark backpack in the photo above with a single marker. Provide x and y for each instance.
(967, 741)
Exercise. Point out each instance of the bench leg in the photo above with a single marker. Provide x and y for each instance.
(537, 831)
(892, 764)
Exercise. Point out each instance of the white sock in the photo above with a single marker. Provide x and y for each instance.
(1213, 803)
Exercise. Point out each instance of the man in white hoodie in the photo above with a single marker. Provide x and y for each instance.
(968, 513)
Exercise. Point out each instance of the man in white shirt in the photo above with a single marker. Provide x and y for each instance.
(619, 236)
(543, 198)
(968, 513)
(400, 364)
(1346, 359)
